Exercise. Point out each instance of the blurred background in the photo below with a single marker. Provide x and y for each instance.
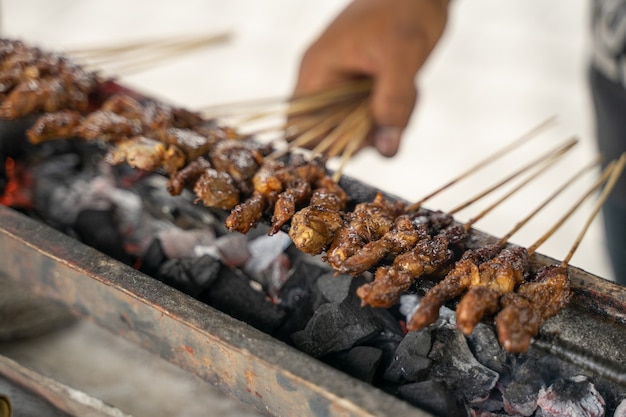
(501, 69)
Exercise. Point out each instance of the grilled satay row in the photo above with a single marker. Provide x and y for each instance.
(493, 280)
(230, 172)
(32, 80)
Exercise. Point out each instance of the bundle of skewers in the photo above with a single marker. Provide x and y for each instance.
(276, 181)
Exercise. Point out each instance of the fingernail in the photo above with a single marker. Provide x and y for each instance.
(387, 140)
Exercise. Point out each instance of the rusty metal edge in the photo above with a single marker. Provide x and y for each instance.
(61, 397)
(243, 362)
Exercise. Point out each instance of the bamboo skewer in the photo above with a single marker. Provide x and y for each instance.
(313, 134)
(126, 59)
(615, 174)
(547, 164)
(298, 103)
(338, 134)
(606, 174)
(359, 136)
(145, 44)
(559, 150)
(491, 158)
(550, 198)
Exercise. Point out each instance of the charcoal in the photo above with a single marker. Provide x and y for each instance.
(303, 280)
(153, 258)
(483, 343)
(232, 293)
(389, 326)
(231, 250)
(192, 276)
(334, 288)
(575, 396)
(335, 327)
(299, 298)
(410, 362)
(620, 411)
(454, 364)
(13, 140)
(182, 243)
(521, 392)
(3, 175)
(434, 397)
(338, 326)
(98, 229)
(361, 362)
(493, 404)
(486, 413)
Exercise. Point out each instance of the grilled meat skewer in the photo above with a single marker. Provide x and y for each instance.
(452, 286)
(526, 309)
(497, 277)
(314, 227)
(368, 222)
(429, 255)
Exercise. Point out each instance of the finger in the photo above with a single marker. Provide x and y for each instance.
(393, 101)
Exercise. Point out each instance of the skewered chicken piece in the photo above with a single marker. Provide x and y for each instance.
(404, 234)
(50, 93)
(152, 115)
(107, 126)
(497, 277)
(401, 237)
(33, 81)
(429, 255)
(146, 154)
(368, 222)
(314, 227)
(20, 64)
(216, 189)
(526, 309)
(267, 184)
(280, 188)
(453, 285)
(188, 175)
(297, 190)
(240, 159)
(53, 126)
(192, 143)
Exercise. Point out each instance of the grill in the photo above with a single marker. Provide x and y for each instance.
(259, 370)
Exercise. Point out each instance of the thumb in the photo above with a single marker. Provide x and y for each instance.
(392, 105)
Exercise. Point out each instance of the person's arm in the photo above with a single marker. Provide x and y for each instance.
(386, 40)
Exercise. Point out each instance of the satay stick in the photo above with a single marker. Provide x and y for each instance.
(361, 117)
(297, 104)
(128, 60)
(615, 174)
(338, 134)
(557, 151)
(547, 164)
(606, 174)
(115, 50)
(312, 135)
(550, 198)
(360, 134)
(491, 158)
(141, 63)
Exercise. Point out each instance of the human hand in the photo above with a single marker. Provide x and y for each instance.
(385, 40)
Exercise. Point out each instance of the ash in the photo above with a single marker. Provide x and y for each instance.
(296, 298)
